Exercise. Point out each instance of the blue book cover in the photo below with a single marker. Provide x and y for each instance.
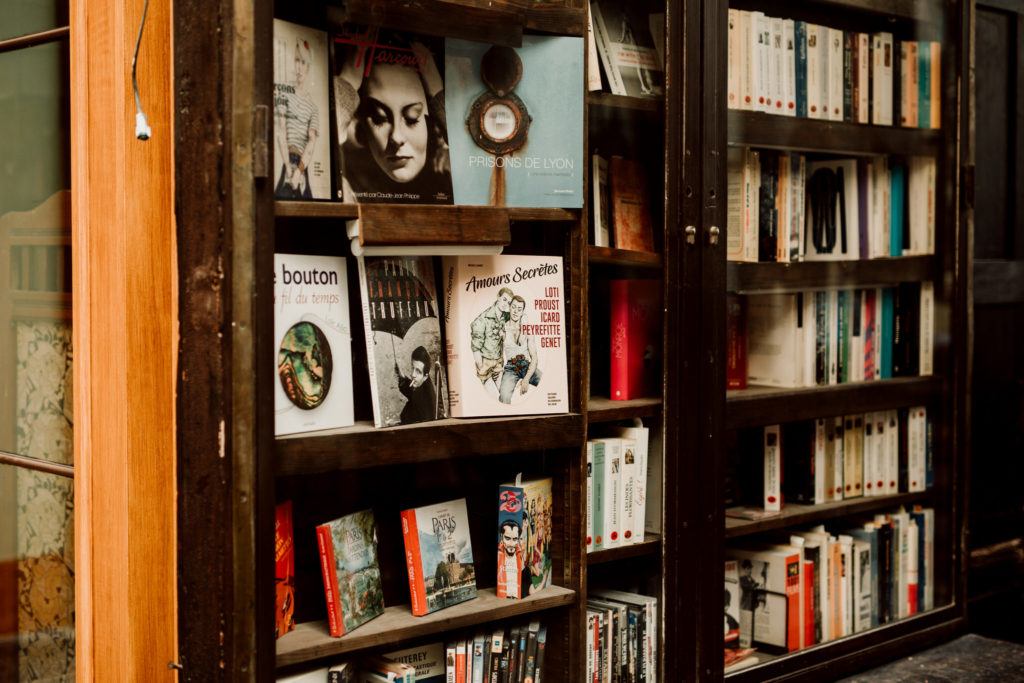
(515, 122)
(896, 215)
(887, 333)
(924, 84)
(800, 29)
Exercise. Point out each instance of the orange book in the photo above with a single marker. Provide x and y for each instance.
(284, 570)
(631, 205)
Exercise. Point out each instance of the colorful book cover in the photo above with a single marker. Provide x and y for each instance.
(314, 344)
(505, 334)
(389, 107)
(284, 570)
(302, 158)
(636, 308)
(524, 538)
(348, 559)
(403, 339)
(439, 556)
(516, 122)
(630, 205)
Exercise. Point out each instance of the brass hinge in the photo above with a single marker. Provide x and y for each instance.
(260, 163)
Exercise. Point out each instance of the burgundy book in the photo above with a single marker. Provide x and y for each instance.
(636, 307)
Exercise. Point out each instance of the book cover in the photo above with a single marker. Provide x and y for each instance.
(516, 122)
(627, 48)
(403, 339)
(302, 158)
(640, 471)
(524, 538)
(348, 560)
(636, 310)
(505, 335)
(732, 604)
(439, 556)
(630, 203)
(389, 118)
(313, 339)
(284, 570)
(601, 211)
(428, 661)
(610, 491)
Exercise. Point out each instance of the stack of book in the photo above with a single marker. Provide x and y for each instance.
(618, 500)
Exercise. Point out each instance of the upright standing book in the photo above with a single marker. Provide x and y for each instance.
(630, 205)
(636, 309)
(627, 48)
(284, 570)
(348, 560)
(403, 339)
(439, 556)
(524, 537)
(313, 339)
(505, 333)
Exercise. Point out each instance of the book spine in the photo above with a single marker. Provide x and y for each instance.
(848, 99)
(864, 77)
(452, 322)
(835, 78)
(898, 184)
(800, 75)
(604, 50)
(414, 563)
(599, 499)
(776, 65)
(815, 51)
(926, 324)
(736, 343)
(788, 68)
(734, 59)
(924, 84)
(913, 88)
(590, 497)
(896, 78)
(892, 450)
(620, 337)
(371, 356)
(793, 581)
(747, 52)
(935, 118)
(326, 545)
(772, 469)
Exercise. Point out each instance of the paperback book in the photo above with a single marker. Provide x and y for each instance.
(348, 559)
(314, 344)
(504, 327)
(403, 339)
(439, 556)
(524, 538)
(627, 48)
(284, 570)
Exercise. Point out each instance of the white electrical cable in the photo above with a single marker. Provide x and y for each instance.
(142, 129)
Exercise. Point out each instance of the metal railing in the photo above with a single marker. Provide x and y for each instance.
(37, 464)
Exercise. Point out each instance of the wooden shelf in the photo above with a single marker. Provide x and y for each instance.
(651, 545)
(362, 445)
(295, 209)
(758, 406)
(606, 256)
(746, 278)
(794, 514)
(756, 129)
(603, 409)
(604, 99)
(311, 641)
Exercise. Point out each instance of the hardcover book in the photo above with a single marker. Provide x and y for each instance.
(439, 556)
(348, 559)
(391, 130)
(636, 308)
(627, 48)
(504, 327)
(284, 570)
(516, 122)
(403, 339)
(524, 537)
(302, 159)
(630, 205)
(314, 344)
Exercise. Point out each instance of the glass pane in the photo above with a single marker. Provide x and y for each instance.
(23, 17)
(37, 583)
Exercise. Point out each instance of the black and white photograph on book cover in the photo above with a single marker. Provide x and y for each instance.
(390, 120)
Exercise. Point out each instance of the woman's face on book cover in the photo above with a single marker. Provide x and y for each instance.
(396, 121)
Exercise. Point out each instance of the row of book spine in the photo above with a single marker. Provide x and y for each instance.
(621, 637)
(823, 584)
(784, 208)
(513, 654)
(618, 469)
(828, 337)
(795, 68)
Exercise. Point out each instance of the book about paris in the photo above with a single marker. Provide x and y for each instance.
(439, 556)
(348, 560)
(302, 155)
(505, 333)
(515, 122)
(403, 339)
(313, 339)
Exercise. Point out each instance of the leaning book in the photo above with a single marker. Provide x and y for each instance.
(524, 538)
(348, 560)
(313, 342)
(439, 556)
(403, 339)
(505, 332)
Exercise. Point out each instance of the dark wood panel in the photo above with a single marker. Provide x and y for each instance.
(796, 515)
(605, 99)
(768, 405)
(364, 446)
(603, 409)
(349, 211)
(998, 283)
(312, 640)
(651, 545)
(624, 257)
(389, 224)
(756, 129)
(804, 275)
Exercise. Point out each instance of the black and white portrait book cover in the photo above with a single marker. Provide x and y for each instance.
(313, 344)
(389, 116)
(505, 331)
(302, 140)
(403, 339)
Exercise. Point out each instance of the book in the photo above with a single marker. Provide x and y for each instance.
(377, 668)
(599, 193)
(284, 570)
(524, 537)
(732, 604)
(769, 580)
(636, 324)
(338, 673)
(608, 488)
(390, 122)
(403, 339)
(313, 338)
(522, 140)
(774, 348)
(630, 205)
(439, 556)
(428, 661)
(627, 48)
(736, 342)
(637, 520)
(348, 561)
(505, 335)
(302, 157)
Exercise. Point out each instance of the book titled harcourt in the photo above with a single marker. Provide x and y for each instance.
(438, 556)
(524, 538)
(314, 344)
(348, 559)
(505, 331)
(284, 570)
(302, 158)
(403, 339)
(389, 117)
(515, 122)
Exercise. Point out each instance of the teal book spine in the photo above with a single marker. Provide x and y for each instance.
(924, 84)
(896, 225)
(887, 333)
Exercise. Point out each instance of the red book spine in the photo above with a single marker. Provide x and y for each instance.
(284, 569)
(323, 539)
(793, 603)
(809, 604)
(621, 382)
(413, 563)
(735, 344)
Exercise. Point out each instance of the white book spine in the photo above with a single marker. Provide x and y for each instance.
(878, 453)
(820, 453)
(886, 83)
(593, 67)
(627, 492)
(863, 78)
(747, 57)
(590, 497)
(929, 559)
(835, 74)
(759, 32)
(604, 49)
(902, 536)
(789, 67)
(845, 586)
(772, 469)
(916, 445)
(776, 62)
(868, 464)
(892, 452)
(612, 491)
(838, 456)
(814, 59)
(913, 570)
(735, 65)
